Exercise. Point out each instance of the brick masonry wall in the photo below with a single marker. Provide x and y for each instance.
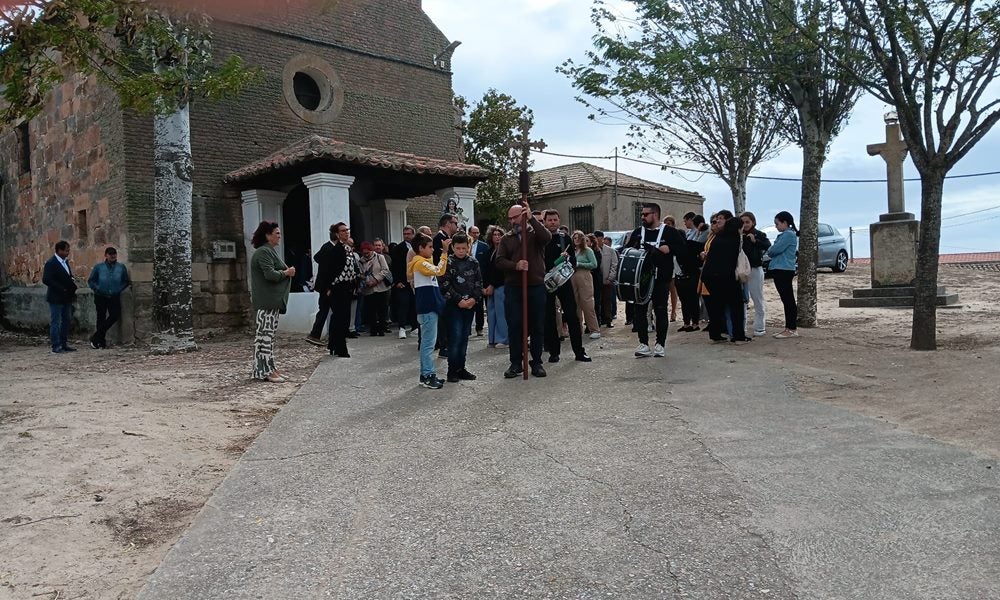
(387, 105)
(74, 190)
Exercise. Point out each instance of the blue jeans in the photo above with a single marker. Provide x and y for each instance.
(60, 316)
(459, 321)
(496, 317)
(428, 337)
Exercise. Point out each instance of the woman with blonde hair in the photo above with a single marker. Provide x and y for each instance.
(583, 283)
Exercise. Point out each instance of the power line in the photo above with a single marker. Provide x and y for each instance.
(975, 212)
(761, 177)
(970, 222)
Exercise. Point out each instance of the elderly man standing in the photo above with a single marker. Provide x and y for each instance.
(609, 271)
(479, 250)
(108, 280)
(510, 261)
(58, 277)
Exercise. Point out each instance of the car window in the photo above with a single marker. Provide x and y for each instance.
(825, 230)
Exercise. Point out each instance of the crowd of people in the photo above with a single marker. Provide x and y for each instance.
(448, 286)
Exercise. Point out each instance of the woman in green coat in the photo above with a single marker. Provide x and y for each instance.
(270, 281)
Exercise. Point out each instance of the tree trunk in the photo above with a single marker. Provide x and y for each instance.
(172, 192)
(739, 190)
(814, 151)
(924, 332)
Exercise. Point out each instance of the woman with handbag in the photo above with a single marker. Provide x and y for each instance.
(376, 288)
(583, 283)
(719, 275)
(270, 282)
(755, 244)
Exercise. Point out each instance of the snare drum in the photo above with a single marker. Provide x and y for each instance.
(635, 276)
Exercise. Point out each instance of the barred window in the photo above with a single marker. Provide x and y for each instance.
(637, 207)
(582, 218)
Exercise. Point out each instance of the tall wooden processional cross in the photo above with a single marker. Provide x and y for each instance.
(893, 152)
(524, 145)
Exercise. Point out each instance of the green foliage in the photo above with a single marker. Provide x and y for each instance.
(675, 74)
(492, 125)
(155, 59)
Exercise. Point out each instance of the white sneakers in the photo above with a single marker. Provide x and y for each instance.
(658, 350)
(643, 351)
(784, 335)
(402, 333)
(759, 333)
(595, 336)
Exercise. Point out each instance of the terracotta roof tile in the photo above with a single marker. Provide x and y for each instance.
(581, 176)
(316, 147)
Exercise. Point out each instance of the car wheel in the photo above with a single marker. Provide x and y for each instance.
(841, 263)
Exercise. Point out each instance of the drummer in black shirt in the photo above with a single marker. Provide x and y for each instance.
(561, 245)
(671, 244)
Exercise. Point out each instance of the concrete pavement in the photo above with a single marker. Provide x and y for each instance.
(701, 475)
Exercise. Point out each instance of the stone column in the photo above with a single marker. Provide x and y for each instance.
(466, 198)
(329, 203)
(395, 219)
(261, 205)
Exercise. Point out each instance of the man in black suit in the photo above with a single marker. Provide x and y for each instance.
(402, 293)
(325, 271)
(58, 277)
(447, 227)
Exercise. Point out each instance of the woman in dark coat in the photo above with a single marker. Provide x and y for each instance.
(343, 283)
(719, 276)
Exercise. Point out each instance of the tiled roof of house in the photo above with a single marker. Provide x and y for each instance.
(582, 176)
(316, 147)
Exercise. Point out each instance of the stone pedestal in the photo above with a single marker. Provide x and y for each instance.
(894, 250)
(893, 266)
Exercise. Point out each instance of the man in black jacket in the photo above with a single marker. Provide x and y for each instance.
(662, 244)
(561, 245)
(58, 277)
(329, 264)
(402, 293)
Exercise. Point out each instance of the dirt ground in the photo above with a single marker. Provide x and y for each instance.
(107, 456)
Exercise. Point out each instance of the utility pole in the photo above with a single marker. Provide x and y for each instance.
(850, 237)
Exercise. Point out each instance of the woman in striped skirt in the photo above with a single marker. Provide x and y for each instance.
(270, 281)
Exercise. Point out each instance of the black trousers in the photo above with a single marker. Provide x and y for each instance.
(687, 291)
(320, 323)
(480, 310)
(570, 317)
(660, 300)
(536, 322)
(109, 311)
(783, 283)
(404, 305)
(375, 316)
(598, 295)
(340, 318)
(725, 294)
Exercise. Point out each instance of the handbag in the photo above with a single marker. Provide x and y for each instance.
(386, 272)
(742, 265)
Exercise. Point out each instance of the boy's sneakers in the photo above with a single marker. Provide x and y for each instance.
(643, 351)
(658, 351)
(402, 333)
(431, 382)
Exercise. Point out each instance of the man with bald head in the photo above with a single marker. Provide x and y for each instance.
(509, 261)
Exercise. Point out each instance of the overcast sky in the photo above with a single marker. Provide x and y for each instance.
(515, 46)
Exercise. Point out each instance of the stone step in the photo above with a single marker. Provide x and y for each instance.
(885, 292)
(894, 301)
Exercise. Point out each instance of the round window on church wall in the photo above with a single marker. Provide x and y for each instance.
(306, 91)
(312, 89)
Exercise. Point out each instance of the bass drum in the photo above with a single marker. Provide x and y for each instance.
(635, 276)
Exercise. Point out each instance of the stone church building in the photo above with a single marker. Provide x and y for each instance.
(352, 121)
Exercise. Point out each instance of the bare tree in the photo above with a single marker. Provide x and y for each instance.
(802, 47)
(935, 61)
(684, 88)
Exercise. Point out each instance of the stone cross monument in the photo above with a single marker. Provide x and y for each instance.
(894, 237)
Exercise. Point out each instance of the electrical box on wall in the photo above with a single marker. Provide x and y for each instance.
(223, 250)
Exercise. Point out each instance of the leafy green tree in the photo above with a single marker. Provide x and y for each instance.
(158, 60)
(801, 47)
(493, 124)
(935, 62)
(685, 88)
